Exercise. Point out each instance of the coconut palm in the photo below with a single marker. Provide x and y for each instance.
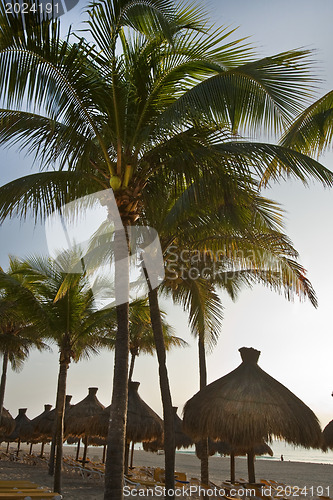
(70, 320)
(156, 91)
(250, 249)
(141, 334)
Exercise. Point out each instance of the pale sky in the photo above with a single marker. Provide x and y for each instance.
(295, 339)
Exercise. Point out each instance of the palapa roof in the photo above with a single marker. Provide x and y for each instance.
(143, 424)
(36, 436)
(45, 425)
(182, 440)
(248, 406)
(7, 425)
(328, 436)
(77, 419)
(23, 427)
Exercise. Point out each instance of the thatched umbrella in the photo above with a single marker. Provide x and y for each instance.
(143, 424)
(36, 436)
(45, 425)
(248, 406)
(77, 419)
(7, 424)
(328, 436)
(182, 440)
(23, 429)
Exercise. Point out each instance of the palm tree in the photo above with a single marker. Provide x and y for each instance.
(70, 320)
(18, 335)
(141, 334)
(156, 92)
(237, 240)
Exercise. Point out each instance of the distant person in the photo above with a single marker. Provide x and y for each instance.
(282, 458)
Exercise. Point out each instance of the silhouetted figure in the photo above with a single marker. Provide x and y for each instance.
(282, 458)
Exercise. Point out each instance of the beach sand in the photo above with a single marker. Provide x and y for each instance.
(77, 488)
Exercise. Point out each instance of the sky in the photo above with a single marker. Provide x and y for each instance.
(295, 340)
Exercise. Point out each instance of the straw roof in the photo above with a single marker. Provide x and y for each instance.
(23, 427)
(248, 406)
(77, 419)
(182, 440)
(328, 436)
(7, 425)
(36, 436)
(143, 424)
(45, 425)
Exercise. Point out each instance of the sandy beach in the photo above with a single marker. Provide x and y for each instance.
(75, 487)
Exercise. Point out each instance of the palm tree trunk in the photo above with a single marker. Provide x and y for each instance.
(30, 450)
(203, 382)
(116, 441)
(42, 450)
(130, 375)
(104, 454)
(60, 411)
(3, 381)
(168, 412)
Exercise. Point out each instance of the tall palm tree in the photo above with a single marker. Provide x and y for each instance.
(141, 334)
(234, 242)
(155, 91)
(70, 320)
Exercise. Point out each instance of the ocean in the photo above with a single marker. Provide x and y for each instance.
(290, 453)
